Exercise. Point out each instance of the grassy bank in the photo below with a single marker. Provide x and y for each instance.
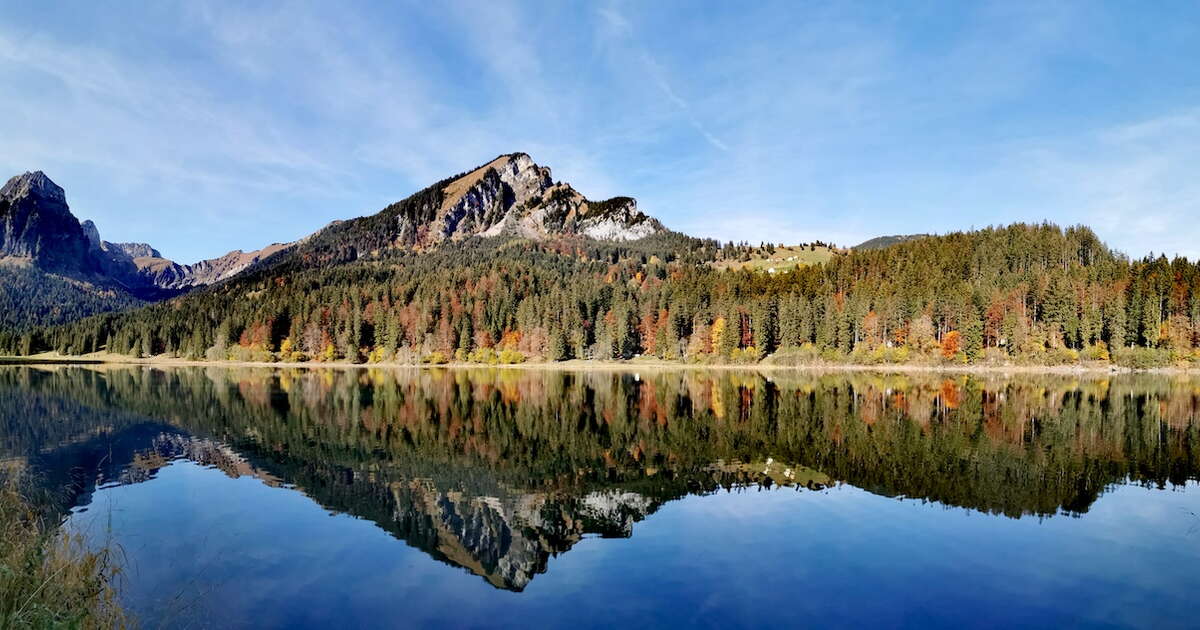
(48, 577)
(804, 358)
(638, 364)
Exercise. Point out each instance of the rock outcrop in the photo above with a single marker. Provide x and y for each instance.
(512, 195)
(36, 225)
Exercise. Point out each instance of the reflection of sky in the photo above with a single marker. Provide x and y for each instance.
(261, 556)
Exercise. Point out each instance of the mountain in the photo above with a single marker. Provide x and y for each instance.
(48, 271)
(168, 274)
(54, 269)
(509, 196)
(37, 227)
(513, 195)
(69, 271)
(421, 281)
(146, 273)
(880, 242)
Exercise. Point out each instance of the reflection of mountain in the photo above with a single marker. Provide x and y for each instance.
(498, 471)
(168, 446)
(507, 537)
(508, 540)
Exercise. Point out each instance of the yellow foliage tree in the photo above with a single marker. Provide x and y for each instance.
(718, 334)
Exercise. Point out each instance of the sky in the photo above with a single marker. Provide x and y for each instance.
(206, 127)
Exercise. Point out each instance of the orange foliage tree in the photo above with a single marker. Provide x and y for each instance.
(951, 344)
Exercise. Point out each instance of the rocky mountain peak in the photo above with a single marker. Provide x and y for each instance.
(524, 176)
(37, 225)
(513, 195)
(136, 250)
(92, 232)
(33, 183)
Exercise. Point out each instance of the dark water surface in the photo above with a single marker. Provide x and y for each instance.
(525, 498)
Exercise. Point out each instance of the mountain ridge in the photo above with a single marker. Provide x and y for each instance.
(880, 242)
(510, 195)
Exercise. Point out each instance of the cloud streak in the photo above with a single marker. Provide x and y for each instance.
(208, 127)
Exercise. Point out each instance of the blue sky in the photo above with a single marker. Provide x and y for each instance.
(202, 128)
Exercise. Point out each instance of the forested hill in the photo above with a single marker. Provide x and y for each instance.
(880, 242)
(1035, 293)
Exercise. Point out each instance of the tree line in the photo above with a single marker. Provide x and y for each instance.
(1034, 293)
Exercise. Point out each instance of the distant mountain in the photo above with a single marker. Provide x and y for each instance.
(880, 242)
(49, 273)
(146, 273)
(37, 227)
(510, 196)
(54, 269)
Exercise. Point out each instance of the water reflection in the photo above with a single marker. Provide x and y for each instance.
(498, 471)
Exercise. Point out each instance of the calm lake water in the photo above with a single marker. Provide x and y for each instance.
(519, 498)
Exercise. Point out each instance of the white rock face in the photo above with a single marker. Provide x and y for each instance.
(624, 223)
(612, 230)
(526, 179)
(514, 196)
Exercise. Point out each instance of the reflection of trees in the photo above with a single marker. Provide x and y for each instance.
(497, 470)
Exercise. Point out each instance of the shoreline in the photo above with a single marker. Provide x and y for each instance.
(583, 365)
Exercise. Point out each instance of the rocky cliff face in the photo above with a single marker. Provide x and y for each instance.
(36, 225)
(38, 228)
(512, 195)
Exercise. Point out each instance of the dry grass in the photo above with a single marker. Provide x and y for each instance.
(48, 577)
(459, 187)
(784, 259)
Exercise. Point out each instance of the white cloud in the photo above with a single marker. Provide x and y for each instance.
(247, 124)
(1134, 182)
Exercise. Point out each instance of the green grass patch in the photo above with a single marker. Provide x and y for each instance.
(48, 577)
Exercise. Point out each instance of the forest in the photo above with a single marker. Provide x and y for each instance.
(1018, 294)
(29, 296)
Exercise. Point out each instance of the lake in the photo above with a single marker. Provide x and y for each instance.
(255, 497)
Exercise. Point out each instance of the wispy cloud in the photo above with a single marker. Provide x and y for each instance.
(660, 80)
(1134, 182)
(620, 28)
(209, 126)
